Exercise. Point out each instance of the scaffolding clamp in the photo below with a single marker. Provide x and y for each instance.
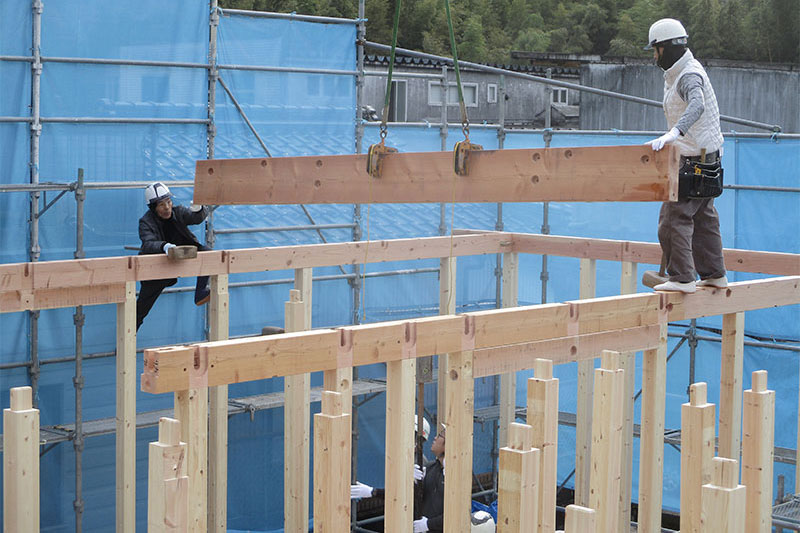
(375, 158)
(461, 156)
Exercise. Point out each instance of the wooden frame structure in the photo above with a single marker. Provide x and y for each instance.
(480, 344)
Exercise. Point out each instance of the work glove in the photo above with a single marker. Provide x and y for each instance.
(167, 246)
(195, 208)
(421, 525)
(360, 490)
(419, 473)
(669, 137)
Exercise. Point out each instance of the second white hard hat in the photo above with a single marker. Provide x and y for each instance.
(426, 427)
(666, 31)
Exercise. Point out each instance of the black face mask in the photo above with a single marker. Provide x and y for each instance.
(670, 54)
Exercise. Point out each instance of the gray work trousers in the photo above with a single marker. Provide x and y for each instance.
(688, 231)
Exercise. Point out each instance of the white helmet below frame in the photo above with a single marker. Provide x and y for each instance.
(482, 522)
(666, 31)
(155, 193)
(426, 427)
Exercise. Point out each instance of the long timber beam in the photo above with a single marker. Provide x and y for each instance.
(54, 284)
(579, 174)
(578, 328)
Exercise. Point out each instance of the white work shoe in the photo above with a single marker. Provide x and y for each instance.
(676, 286)
(719, 283)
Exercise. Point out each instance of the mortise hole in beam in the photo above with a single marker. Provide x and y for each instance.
(317, 183)
(263, 162)
(453, 375)
(319, 163)
(645, 159)
(568, 154)
(210, 170)
(537, 156)
(534, 179)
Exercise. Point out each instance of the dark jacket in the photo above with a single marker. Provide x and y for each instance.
(152, 230)
(433, 496)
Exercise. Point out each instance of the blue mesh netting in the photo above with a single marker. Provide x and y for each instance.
(296, 113)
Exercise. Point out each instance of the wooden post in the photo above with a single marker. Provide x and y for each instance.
(447, 306)
(583, 422)
(580, 520)
(518, 482)
(606, 442)
(458, 447)
(168, 485)
(628, 285)
(651, 445)
(191, 409)
(697, 452)
(400, 380)
(508, 382)
(297, 415)
(21, 463)
(724, 499)
(730, 387)
(332, 466)
(758, 441)
(543, 419)
(126, 411)
(340, 379)
(218, 414)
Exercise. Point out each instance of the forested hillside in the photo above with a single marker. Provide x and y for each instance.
(488, 30)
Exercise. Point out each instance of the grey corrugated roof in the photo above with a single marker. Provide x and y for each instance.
(377, 59)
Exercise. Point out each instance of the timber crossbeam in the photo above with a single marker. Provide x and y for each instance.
(580, 174)
(505, 339)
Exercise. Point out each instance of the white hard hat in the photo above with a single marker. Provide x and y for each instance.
(666, 31)
(482, 522)
(156, 192)
(426, 427)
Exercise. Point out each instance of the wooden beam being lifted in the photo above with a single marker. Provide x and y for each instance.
(579, 174)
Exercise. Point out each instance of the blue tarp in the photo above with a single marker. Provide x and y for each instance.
(296, 114)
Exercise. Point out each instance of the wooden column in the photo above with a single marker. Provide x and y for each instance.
(583, 427)
(341, 379)
(167, 483)
(21, 463)
(697, 451)
(508, 382)
(651, 442)
(758, 441)
(126, 411)
(543, 419)
(218, 314)
(730, 387)
(297, 414)
(447, 306)
(609, 384)
(458, 447)
(724, 499)
(580, 520)
(628, 285)
(518, 482)
(332, 466)
(400, 380)
(191, 409)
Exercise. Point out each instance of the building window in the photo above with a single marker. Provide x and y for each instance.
(491, 93)
(559, 96)
(470, 91)
(398, 100)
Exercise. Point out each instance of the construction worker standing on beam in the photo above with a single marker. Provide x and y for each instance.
(161, 228)
(688, 229)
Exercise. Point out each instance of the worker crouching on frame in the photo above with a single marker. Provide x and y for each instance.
(162, 227)
(688, 229)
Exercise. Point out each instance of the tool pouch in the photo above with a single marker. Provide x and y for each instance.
(700, 180)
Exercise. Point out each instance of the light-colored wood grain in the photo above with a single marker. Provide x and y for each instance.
(758, 441)
(697, 452)
(580, 520)
(724, 499)
(399, 501)
(168, 484)
(126, 412)
(730, 388)
(447, 306)
(583, 428)
(332, 444)
(191, 409)
(20, 463)
(218, 314)
(518, 482)
(593, 174)
(508, 382)
(628, 285)
(543, 419)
